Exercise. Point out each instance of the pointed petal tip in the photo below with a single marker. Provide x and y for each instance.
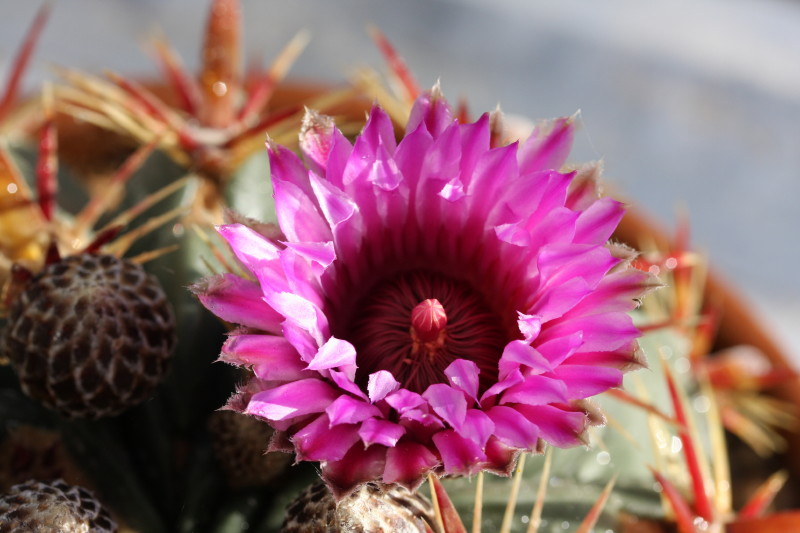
(312, 119)
(238, 401)
(209, 285)
(638, 360)
(231, 216)
(594, 413)
(271, 145)
(436, 92)
(317, 137)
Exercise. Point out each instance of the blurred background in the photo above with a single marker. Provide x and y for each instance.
(694, 105)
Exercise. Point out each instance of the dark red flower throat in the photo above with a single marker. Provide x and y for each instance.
(416, 323)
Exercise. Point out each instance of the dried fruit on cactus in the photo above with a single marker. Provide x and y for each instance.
(374, 508)
(30, 452)
(90, 335)
(239, 444)
(53, 508)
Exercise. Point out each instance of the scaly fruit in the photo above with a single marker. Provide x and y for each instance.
(90, 335)
(239, 444)
(373, 508)
(53, 508)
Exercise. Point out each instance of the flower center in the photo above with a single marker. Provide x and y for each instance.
(417, 323)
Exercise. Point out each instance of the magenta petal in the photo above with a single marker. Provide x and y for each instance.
(344, 380)
(297, 214)
(337, 207)
(306, 345)
(412, 153)
(316, 138)
(432, 111)
(603, 332)
(529, 326)
(423, 417)
(286, 167)
(618, 291)
(560, 262)
(584, 189)
(556, 299)
(384, 172)
(249, 246)
(530, 198)
(302, 278)
(460, 456)
(272, 358)
(321, 253)
(628, 357)
(536, 390)
(549, 201)
(512, 428)
(377, 137)
(556, 227)
(560, 427)
(292, 399)
(583, 381)
(302, 312)
(500, 458)
(494, 168)
(407, 463)
(448, 403)
(378, 131)
(237, 300)
(403, 399)
(463, 375)
(380, 384)
(441, 160)
(477, 427)
(342, 214)
(319, 441)
(453, 190)
(334, 353)
(357, 466)
(376, 431)
(557, 349)
(517, 353)
(596, 224)
(514, 234)
(475, 139)
(548, 145)
(339, 154)
(512, 378)
(349, 410)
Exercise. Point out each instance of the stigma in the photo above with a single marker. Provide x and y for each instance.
(428, 320)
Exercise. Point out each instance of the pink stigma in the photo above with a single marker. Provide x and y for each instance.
(428, 319)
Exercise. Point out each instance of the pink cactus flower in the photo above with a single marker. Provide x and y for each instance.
(435, 304)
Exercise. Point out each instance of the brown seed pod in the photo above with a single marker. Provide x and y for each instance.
(90, 335)
(373, 508)
(53, 507)
(30, 452)
(239, 442)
